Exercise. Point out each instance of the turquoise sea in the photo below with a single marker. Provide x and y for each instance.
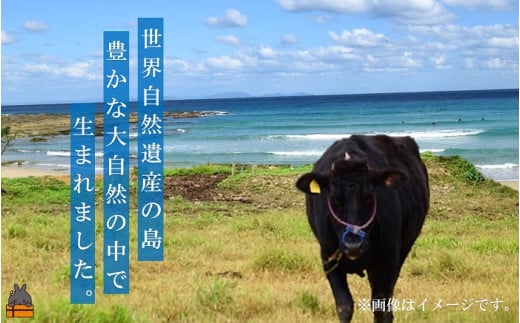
(481, 126)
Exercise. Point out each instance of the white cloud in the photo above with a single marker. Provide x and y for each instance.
(359, 37)
(82, 70)
(339, 6)
(86, 70)
(457, 32)
(228, 40)
(35, 26)
(354, 51)
(39, 68)
(232, 18)
(403, 11)
(178, 66)
(248, 57)
(267, 52)
(504, 42)
(409, 60)
(439, 61)
(472, 4)
(469, 62)
(48, 69)
(495, 63)
(335, 54)
(301, 55)
(470, 47)
(10, 72)
(288, 39)
(7, 39)
(224, 62)
(321, 19)
(42, 58)
(412, 12)
(400, 62)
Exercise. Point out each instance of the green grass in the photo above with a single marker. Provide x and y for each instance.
(199, 169)
(282, 261)
(259, 261)
(63, 311)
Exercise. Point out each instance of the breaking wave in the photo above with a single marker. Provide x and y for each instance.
(296, 153)
(499, 166)
(66, 153)
(414, 134)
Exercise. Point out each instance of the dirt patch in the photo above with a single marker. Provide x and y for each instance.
(200, 187)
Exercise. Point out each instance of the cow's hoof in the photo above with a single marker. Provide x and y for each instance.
(344, 313)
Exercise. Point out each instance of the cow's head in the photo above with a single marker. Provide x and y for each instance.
(350, 189)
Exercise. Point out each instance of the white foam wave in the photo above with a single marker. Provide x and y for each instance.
(66, 153)
(313, 153)
(53, 166)
(437, 134)
(28, 151)
(432, 150)
(61, 153)
(316, 136)
(414, 134)
(498, 166)
(296, 153)
(213, 113)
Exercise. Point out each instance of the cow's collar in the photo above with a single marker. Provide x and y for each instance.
(353, 228)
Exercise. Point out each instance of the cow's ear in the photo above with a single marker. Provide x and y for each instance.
(311, 183)
(390, 178)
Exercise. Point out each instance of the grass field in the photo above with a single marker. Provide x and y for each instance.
(254, 258)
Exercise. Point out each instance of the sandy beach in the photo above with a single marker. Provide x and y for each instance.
(512, 184)
(20, 171)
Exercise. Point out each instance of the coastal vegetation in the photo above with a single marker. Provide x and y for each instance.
(7, 138)
(238, 248)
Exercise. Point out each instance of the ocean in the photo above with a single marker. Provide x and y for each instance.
(481, 126)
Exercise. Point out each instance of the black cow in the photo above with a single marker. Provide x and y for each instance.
(367, 198)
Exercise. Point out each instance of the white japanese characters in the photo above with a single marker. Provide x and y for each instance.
(150, 140)
(116, 166)
(82, 206)
(116, 160)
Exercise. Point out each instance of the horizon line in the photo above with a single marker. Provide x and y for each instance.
(245, 95)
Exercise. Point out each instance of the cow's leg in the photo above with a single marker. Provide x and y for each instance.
(333, 265)
(344, 303)
(382, 283)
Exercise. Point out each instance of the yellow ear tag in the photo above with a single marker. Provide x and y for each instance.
(314, 187)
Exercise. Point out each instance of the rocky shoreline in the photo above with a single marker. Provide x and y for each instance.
(40, 126)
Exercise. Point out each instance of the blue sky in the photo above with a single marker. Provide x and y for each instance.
(52, 50)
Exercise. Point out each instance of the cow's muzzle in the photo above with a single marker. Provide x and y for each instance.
(353, 235)
(353, 242)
